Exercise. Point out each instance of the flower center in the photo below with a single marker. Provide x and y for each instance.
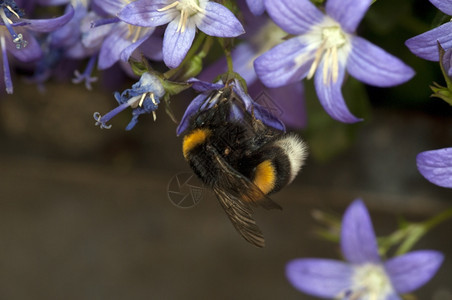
(332, 40)
(369, 282)
(187, 9)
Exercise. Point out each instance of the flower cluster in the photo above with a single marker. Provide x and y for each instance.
(270, 47)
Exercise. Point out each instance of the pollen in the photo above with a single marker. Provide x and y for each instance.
(193, 139)
(369, 281)
(187, 9)
(265, 176)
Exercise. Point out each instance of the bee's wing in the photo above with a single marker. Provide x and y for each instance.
(236, 194)
(240, 214)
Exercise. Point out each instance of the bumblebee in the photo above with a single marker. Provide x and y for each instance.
(240, 158)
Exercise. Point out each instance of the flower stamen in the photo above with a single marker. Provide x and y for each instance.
(18, 39)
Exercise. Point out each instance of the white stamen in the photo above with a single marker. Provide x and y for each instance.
(370, 282)
(187, 9)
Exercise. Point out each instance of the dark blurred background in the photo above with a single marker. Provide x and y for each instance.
(85, 213)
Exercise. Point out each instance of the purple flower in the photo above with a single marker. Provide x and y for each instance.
(257, 7)
(324, 47)
(262, 34)
(182, 17)
(143, 97)
(425, 45)
(16, 35)
(436, 166)
(123, 39)
(364, 275)
(201, 102)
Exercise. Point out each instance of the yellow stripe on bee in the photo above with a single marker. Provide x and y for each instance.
(193, 139)
(265, 176)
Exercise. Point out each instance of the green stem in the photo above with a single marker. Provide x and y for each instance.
(444, 216)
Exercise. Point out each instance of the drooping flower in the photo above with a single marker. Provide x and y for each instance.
(16, 35)
(436, 166)
(364, 275)
(182, 17)
(262, 34)
(324, 47)
(425, 45)
(143, 97)
(201, 103)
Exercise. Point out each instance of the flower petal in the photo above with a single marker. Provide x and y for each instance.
(372, 65)
(348, 13)
(48, 25)
(218, 21)
(294, 16)
(176, 43)
(319, 277)
(26, 54)
(152, 48)
(358, 241)
(204, 86)
(256, 6)
(125, 55)
(330, 96)
(443, 5)
(192, 108)
(111, 7)
(112, 46)
(412, 270)
(144, 13)
(425, 45)
(436, 166)
(278, 67)
(286, 103)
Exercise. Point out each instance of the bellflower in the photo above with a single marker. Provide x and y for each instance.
(436, 166)
(201, 103)
(123, 38)
(261, 35)
(143, 97)
(364, 275)
(182, 17)
(324, 47)
(16, 35)
(425, 45)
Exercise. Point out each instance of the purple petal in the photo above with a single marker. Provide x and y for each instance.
(152, 48)
(144, 13)
(372, 65)
(277, 67)
(176, 43)
(358, 241)
(294, 16)
(26, 54)
(256, 6)
(436, 166)
(127, 52)
(204, 86)
(443, 5)
(319, 277)
(111, 7)
(286, 103)
(112, 46)
(48, 25)
(192, 108)
(330, 96)
(219, 21)
(348, 13)
(425, 45)
(412, 270)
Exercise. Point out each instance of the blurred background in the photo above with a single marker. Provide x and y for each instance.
(85, 213)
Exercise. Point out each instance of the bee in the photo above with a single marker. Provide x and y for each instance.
(240, 158)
